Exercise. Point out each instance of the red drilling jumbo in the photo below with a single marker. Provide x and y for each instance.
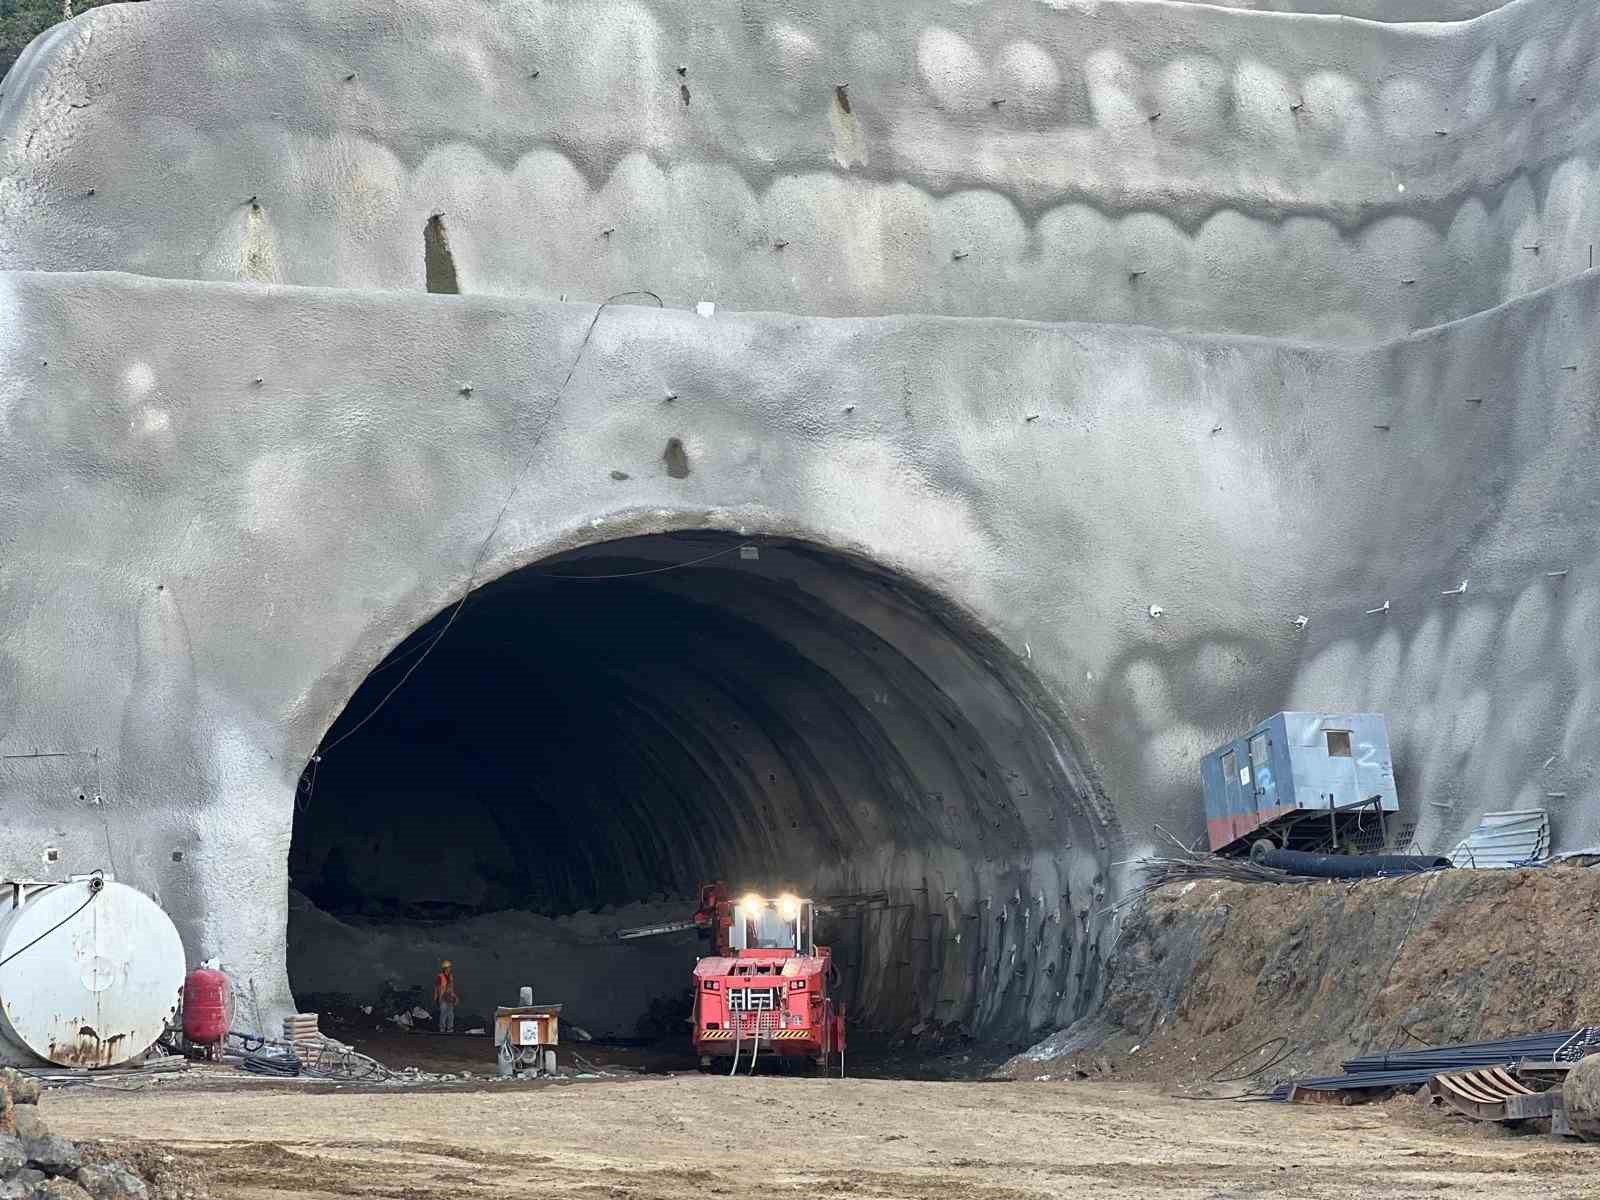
(764, 989)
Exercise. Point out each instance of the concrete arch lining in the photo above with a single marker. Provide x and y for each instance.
(803, 720)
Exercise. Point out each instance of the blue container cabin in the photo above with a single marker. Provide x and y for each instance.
(1303, 781)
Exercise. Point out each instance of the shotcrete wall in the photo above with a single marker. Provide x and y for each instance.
(225, 499)
(1162, 163)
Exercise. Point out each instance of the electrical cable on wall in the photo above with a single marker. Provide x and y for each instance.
(96, 886)
(424, 647)
(693, 562)
(483, 548)
(307, 788)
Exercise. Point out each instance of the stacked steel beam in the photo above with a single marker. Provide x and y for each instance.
(1413, 1067)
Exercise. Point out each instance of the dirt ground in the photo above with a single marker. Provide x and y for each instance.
(681, 1136)
(872, 1055)
(1287, 980)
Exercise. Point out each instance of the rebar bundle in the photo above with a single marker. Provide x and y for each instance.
(1159, 871)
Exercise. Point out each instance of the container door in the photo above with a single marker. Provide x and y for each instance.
(1240, 794)
(1232, 801)
(1266, 786)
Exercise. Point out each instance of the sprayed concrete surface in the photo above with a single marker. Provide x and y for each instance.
(1169, 164)
(688, 1137)
(1062, 354)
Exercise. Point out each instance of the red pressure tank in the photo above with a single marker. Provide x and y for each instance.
(207, 1006)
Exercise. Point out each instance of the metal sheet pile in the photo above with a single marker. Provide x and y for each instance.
(1505, 839)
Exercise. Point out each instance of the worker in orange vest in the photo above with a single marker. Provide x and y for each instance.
(444, 995)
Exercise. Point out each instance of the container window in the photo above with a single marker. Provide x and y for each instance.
(1339, 743)
(1258, 752)
(1230, 767)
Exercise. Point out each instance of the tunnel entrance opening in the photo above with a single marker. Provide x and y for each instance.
(595, 735)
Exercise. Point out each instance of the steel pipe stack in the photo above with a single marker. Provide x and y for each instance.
(1412, 1067)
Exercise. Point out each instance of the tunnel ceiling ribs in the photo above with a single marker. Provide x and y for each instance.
(598, 742)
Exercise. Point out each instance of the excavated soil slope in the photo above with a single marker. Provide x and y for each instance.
(1208, 972)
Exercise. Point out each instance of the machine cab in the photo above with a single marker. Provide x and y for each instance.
(785, 924)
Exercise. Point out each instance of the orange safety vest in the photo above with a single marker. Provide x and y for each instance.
(444, 988)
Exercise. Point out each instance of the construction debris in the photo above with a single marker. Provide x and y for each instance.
(1505, 839)
(49, 1077)
(311, 1055)
(1158, 872)
(39, 1164)
(1370, 1076)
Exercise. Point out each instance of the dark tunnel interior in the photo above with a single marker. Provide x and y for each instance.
(595, 735)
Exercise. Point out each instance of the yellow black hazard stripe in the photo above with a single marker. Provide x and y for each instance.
(726, 1035)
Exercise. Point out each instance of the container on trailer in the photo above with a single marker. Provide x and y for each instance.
(1313, 781)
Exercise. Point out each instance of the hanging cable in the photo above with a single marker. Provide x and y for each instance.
(693, 562)
(1422, 895)
(96, 885)
(306, 790)
(483, 548)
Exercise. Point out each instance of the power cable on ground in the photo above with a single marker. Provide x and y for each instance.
(1422, 895)
(1283, 1052)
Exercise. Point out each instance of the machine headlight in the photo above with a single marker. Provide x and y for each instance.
(788, 906)
(751, 904)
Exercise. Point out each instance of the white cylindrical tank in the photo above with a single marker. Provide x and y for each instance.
(90, 972)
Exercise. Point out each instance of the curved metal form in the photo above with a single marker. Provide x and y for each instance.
(1482, 1094)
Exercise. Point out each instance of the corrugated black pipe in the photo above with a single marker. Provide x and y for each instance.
(1344, 866)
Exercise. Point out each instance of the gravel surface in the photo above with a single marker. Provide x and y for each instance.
(692, 1136)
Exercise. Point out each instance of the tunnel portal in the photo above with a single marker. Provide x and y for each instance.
(589, 738)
